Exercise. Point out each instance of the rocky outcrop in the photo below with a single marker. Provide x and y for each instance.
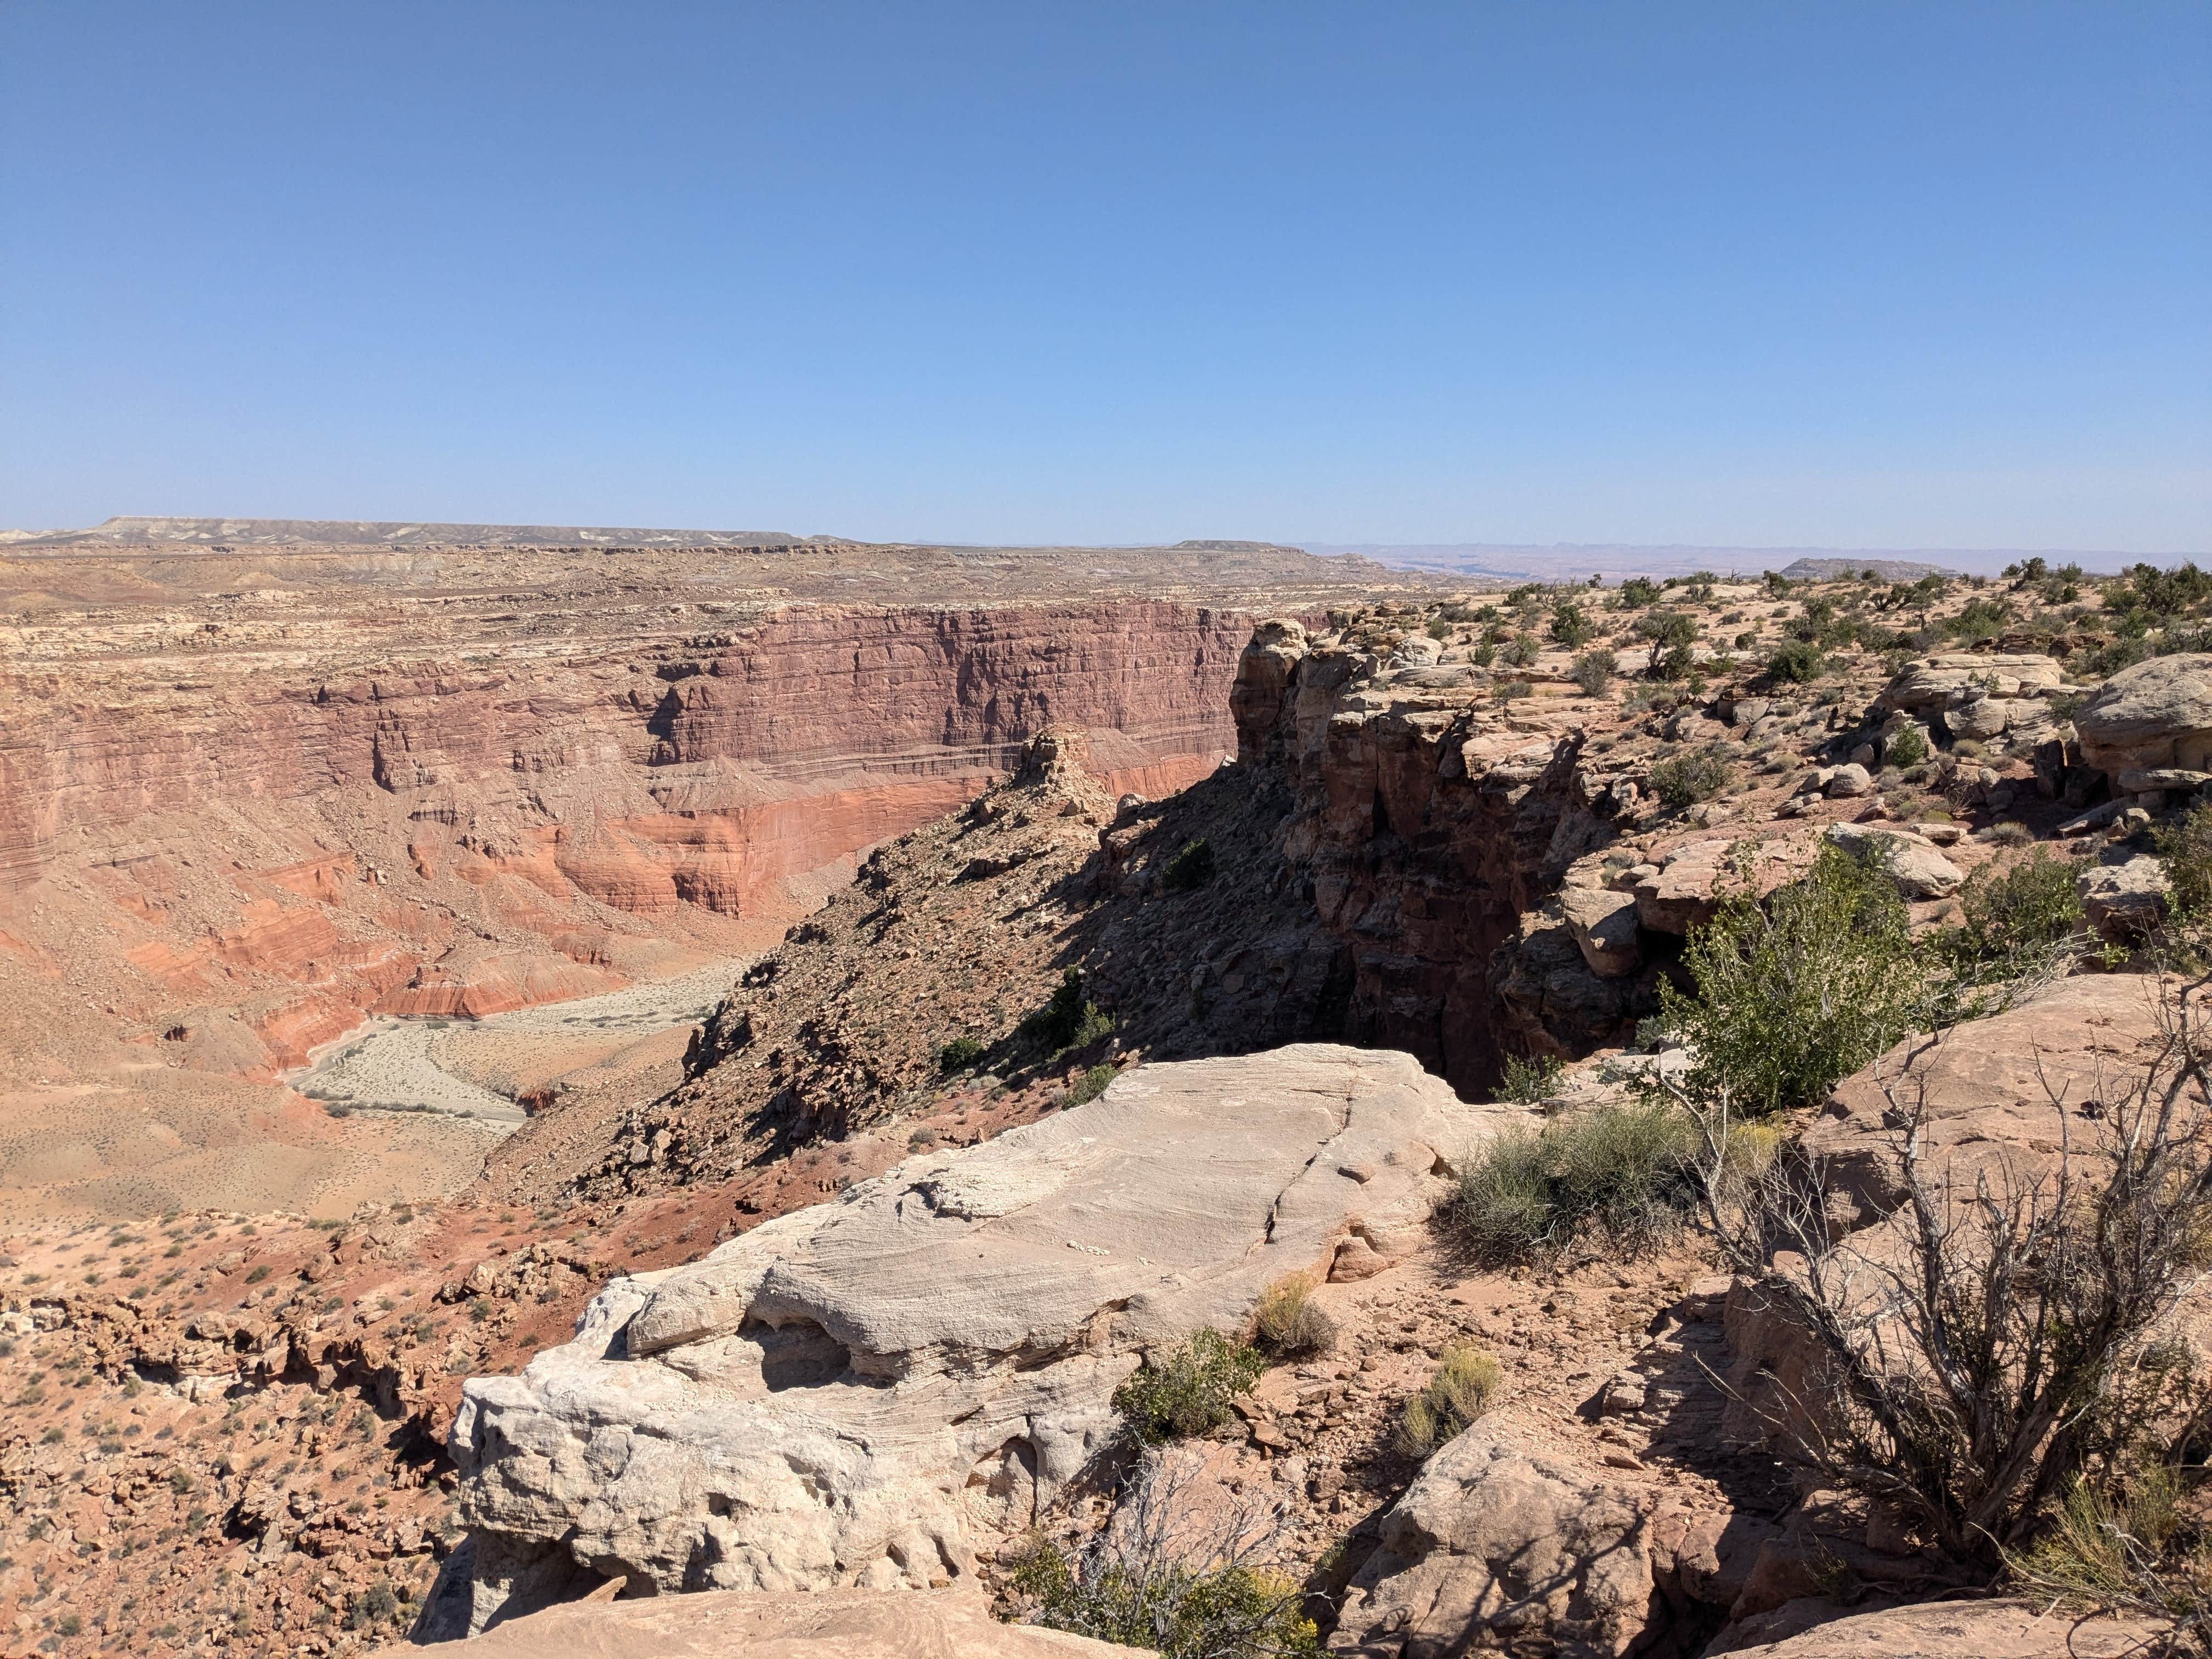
(1975, 697)
(1498, 1547)
(821, 1625)
(1919, 871)
(2155, 716)
(1941, 1630)
(851, 1394)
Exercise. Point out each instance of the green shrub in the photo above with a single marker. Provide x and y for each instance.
(1465, 1382)
(2017, 917)
(1069, 1020)
(1091, 1084)
(374, 1606)
(1636, 593)
(1186, 1390)
(1290, 1323)
(1687, 779)
(1620, 1172)
(1191, 868)
(1512, 690)
(1793, 994)
(2186, 845)
(1907, 746)
(1797, 662)
(1670, 634)
(958, 1054)
(1520, 651)
(1530, 1080)
(1440, 629)
(1570, 627)
(1594, 671)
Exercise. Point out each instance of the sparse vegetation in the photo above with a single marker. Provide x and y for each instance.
(958, 1054)
(2018, 919)
(1620, 1173)
(1796, 662)
(1290, 1323)
(1069, 1019)
(1145, 1581)
(1594, 671)
(1792, 994)
(1190, 869)
(1520, 651)
(1686, 780)
(1091, 1084)
(1186, 1390)
(1530, 1080)
(1466, 1380)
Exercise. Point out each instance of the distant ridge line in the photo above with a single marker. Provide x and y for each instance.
(132, 531)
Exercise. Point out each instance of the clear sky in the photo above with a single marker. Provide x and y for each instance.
(1855, 274)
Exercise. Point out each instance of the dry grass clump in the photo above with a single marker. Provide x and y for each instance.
(1465, 1382)
(1290, 1323)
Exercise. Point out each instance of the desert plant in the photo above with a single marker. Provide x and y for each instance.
(1520, 651)
(1187, 1390)
(1092, 1084)
(1616, 1171)
(1531, 1080)
(1571, 626)
(1687, 779)
(2020, 918)
(1594, 671)
(1795, 993)
(2185, 846)
(2000, 1334)
(1466, 1380)
(1157, 1577)
(1907, 746)
(1636, 593)
(1667, 632)
(1068, 1020)
(1797, 662)
(1191, 868)
(1289, 1321)
(1512, 690)
(958, 1054)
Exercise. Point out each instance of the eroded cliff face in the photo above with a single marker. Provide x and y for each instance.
(1430, 819)
(213, 862)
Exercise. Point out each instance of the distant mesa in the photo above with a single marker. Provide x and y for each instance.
(1895, 570)
(131, 531)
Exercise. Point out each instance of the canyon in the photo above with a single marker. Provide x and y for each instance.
(257, 789)
(828, 1289)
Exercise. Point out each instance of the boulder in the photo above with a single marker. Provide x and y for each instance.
(1935, 1629)
(2124, 901)
(1603, 923)
(1847, 782)
(2155, 715)
(1987, 1108)
(1497, 1545)
(1919, 870)
(1933, 684)
(822, 1625)
(1978, 717)
(849, 1394)
(1679, 896)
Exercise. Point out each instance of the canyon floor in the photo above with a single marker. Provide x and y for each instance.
(1441, 835)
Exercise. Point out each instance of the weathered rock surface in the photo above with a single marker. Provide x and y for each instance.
(823, 1625)
(1940, 681)
(1987, 1106)
(1919, 871)
(1604, 924)
(2154, 715)
(2124, 901)
(848, 1396)
(1944, 1630)
(1496, 1547)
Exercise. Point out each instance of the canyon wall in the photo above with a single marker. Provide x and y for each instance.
(238, 857)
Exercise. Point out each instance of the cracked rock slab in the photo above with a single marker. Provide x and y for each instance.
(848, 1395)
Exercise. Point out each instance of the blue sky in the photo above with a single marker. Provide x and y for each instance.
(1849, 274)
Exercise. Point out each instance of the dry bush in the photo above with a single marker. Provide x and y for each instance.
(1290, 1323)
(1465, 1382)
(2001, 1336)
(1154, 1578)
